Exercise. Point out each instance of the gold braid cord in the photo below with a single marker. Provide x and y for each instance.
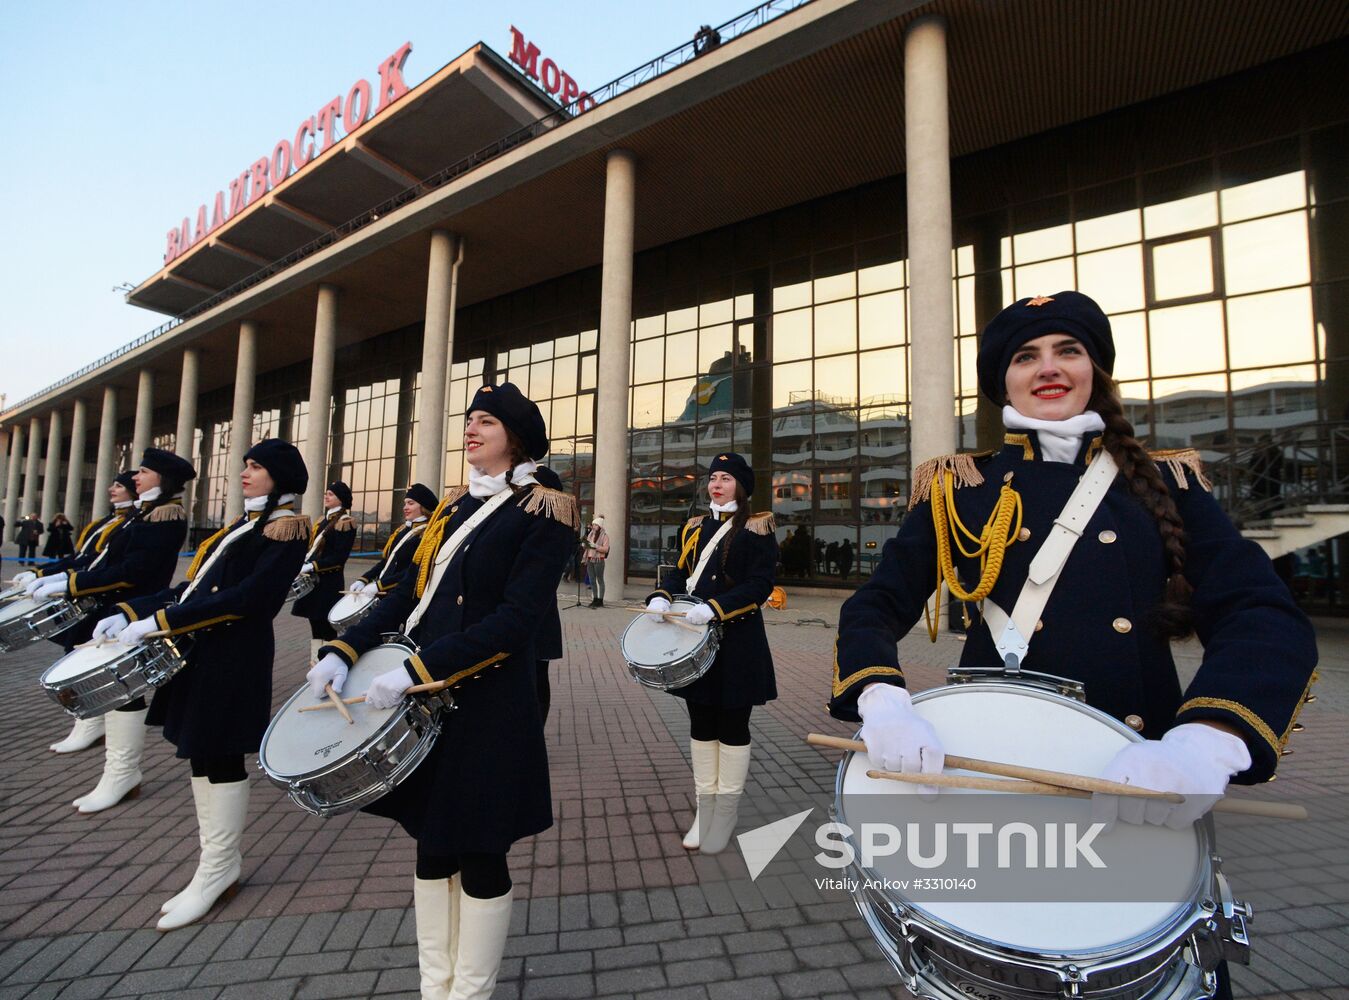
(204, 549)
(960, 467)
(990, 545)
(425, 555)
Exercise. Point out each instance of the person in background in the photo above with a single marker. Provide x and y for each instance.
(29, 531)
(548, 643)
(60, 541)
(595, 549)
(329, 548)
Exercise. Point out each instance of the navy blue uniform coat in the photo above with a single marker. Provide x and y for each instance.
(396, 557)
(335, 536)
(485, 783)
(742, 674)
(1259, 649)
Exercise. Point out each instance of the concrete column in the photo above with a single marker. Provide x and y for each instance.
(12, 481)
(437, 334)
(185, 433)
(241, 422)
(451, 433)
(320, 400)
(30, 487)
(932, 414)
(51, 477)
(145, 411)
(75, 473)
(611, 402)
(105, 471)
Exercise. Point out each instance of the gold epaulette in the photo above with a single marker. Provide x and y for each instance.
(287, 529)
(553, 503)
(961, 467)
(694, 522)
(345, 523)
(1180, 459)
(452, 497)
(167, 512)
(762, 524)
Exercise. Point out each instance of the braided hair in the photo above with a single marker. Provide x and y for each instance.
(518, 455)
(738, 520)
(1173, 617)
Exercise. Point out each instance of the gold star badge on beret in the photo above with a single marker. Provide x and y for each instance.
(1040, 300)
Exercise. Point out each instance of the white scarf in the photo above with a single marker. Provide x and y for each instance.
(415, 520)
(252, 505)
(729, 507)
(149, 495)
(122, 504)
(255, 504)
(1060, 440)
(482, 486)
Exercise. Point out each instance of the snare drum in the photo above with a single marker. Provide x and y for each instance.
(1041, 949)
(301, 586)
(26, 620)
(329, 766)
(94, 680)
(665, 656)
(349, 609)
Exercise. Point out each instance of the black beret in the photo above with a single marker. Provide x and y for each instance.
(736, 466)
(547, 477)
(509, 405)
(423, 496)
(166, 463)
(127, 479)
(283, 463)
(342, 491)
(1063, 312)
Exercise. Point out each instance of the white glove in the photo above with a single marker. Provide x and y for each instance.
(658, 604)
(110, 627)
(386, 690)
(36, 583)
(23, 579)
(371, 588)
(1193, 759)
(50, 586)
(897, 737)
(307, 568)
(135, 633)
(329, 670)
(357, 586)
(699, 614)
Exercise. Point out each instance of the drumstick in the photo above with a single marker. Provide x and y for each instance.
(338, 704)
(652, 611)
(1079, 785)
(360, 698)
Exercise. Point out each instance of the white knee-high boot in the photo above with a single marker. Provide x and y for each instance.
(124, 739)
(201, 798)
(483, 926)
(221, 859)
(705, 760)
(436, 904)
(732, 769)
(85, 734)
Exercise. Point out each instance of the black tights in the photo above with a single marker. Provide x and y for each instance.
(484, 876)
(725, 725)
(138, 705)
(544, 689)
(219, 770)
(319, 628)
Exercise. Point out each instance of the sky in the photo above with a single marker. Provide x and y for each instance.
(121, 118)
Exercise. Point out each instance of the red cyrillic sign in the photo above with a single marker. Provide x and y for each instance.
(560, 85)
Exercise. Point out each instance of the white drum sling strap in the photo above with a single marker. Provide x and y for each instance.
(707, 555)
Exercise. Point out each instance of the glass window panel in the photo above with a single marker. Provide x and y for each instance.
(519, 356)
(836, 379)
(881, 277)
(1182, 269)
(1270, 329)
(1044, 279)
(540, 380)
(647, 327)
(966, 317)
(677, 395)
(1281, 400)
(589, 339)
(1114, 278)
(882, 376)
(681, 354)
(564, 417)
(790, 381)
(791, 335)
(1187, 339)
(1109, 230)
(1197, 212)
(965, 259)
(791, 296)
(744, 306)
(646, 360)
(710, 313)
(567, 345)
(881, 320)
(1131, 346)
(967, 348)
(1266, 253)
(714, 344)
(542, 351)
(1210, 386)
(836, 286)
(681, 319)
(564, 375)
(585, 418)
(648, 403)
(1265, 197)
(1042, 244)
(459, 370)
(836, 327)
(588, 367)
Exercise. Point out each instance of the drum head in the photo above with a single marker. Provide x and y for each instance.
(650, 641)
(347, 605)
(300, 742)
(81, 661)
(1023, 726)
(17, 609)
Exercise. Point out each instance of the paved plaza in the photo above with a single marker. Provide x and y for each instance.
(607, 902)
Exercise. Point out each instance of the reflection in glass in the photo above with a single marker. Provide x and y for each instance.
(681, 354)
(1182, 269)
(1109, 231)
(1266, 253)
(791, 335)
(883, 377)
(646, 360)
(836, 286)
(1114, 278)
(1270, 329)
(714, 343)
(1186, 339)
(881, 320)
(1042, 244)
(881, 277)
(1131, 346)
(835, 328)
(836, 379)
(1197, 212)
(1264, 197)
(789, 381)
(1045, 279)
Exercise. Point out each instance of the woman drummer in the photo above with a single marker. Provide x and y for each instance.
(216, 708)
(379, 579)
(1158, 560)
(485, 573)
(328, 551)
(136, 560)
(728, 559)
(91, 544)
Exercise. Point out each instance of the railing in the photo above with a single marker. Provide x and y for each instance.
(662, 64)
(1290, 467)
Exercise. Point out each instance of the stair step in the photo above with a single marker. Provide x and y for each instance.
(1255, 534)
(1293, 522)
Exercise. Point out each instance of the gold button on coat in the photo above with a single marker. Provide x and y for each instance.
(1039, 625)
(459, 599)
(1134, 722)
(1023, 534)
(1122, 625)
(1107, 536)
